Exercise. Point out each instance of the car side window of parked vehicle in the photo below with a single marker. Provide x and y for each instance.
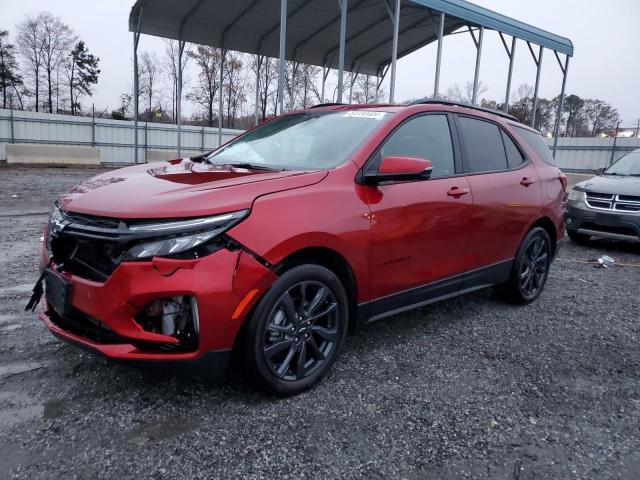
(427, 137)
(538, 144)
(514, 155)
(485, 150)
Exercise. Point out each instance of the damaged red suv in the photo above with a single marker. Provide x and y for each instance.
(282, 240)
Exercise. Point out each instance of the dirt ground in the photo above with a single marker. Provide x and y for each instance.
(468, 388)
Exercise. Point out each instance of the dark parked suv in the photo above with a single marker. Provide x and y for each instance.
(607, 206)
(311, 224)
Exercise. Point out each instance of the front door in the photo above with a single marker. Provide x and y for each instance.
(417, 228)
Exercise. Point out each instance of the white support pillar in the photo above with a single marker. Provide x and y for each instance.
(181, 45)
(223, 54)
(343, 32)
(565, 70)
(436, 84)
(537, 87)
(136, 100)
(394, 52)
(476, 76)
(281, 59)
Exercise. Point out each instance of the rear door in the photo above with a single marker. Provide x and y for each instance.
(506, 193)
(418, 229)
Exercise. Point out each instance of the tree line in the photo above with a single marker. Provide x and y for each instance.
(580, 117)
(50, 69)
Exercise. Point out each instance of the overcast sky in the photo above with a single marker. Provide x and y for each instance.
(605, 36)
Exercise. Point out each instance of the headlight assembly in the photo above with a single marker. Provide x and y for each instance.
(577, 195)
(174, 237)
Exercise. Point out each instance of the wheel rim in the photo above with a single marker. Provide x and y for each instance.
(301, 331)
(535, 265)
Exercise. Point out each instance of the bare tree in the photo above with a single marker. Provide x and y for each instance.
(234, 85)
(9, 77)
(56, 40)
(30, 48)
(172, 67)
(268, 79)
(465, 94)
(148, 74)
(364, 90)
(207, 60)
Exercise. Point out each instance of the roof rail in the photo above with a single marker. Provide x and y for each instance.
(326, 105)
(441, 101)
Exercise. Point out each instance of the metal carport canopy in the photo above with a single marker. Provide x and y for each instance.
(313, 27)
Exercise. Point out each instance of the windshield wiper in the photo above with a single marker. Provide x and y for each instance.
(251, 166)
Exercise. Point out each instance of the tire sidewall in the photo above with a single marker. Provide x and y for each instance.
(533, 233)
(254, 355)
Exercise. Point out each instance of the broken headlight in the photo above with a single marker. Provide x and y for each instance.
(176, 237)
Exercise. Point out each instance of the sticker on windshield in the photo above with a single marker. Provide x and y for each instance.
(365, 114)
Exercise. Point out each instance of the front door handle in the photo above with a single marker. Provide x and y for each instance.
(457, 192)
(527, 181)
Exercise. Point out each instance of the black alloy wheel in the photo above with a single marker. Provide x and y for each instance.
(530, 268)
(296, 330)
(535, 266)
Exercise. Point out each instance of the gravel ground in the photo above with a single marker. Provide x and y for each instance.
(468, 388)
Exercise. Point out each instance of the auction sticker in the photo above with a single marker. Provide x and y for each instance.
(365, 114)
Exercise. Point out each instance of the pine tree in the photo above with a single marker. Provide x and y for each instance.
(82, 73)
(9, 76)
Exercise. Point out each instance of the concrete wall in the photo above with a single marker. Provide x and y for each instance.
(113, 139)
(27, 154)
(591, 154)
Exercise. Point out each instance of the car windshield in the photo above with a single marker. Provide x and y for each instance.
(627, 165)
(301, 141)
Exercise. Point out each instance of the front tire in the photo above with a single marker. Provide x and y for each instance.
(530, 268)
(297, 329)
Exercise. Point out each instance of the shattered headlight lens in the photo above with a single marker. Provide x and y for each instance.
(185, 235)
(577, 195)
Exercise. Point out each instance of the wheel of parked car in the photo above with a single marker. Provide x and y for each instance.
(530, 269)
(297, 329)
(578, 237)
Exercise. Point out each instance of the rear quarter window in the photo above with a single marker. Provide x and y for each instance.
(537, 143)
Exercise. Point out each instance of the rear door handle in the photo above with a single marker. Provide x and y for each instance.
(457, 191)
(527, 181)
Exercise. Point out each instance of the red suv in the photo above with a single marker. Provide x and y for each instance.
(309, 225)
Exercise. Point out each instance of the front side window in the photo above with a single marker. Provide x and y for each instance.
(427, 137)
(301, 141)
(627, 165)
(484, 148)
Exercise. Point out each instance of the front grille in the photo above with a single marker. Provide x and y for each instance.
(88, 246)
(611, 202)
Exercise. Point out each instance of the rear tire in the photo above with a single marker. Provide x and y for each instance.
(580, 238)
(296, 331)
(530, 268)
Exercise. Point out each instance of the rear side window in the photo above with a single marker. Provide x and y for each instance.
(514, 156)
(537, 143)
(484, 149)
(427, 137)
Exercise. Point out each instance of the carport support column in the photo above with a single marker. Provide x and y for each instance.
(283, 41)
(394, 52)
(259, 60)
(565, 70)
(436, 84)
(343, 32)
(223, 54)
(476, 76)
(535, 90)
(181, 45)
(136, 40)
(512, 55)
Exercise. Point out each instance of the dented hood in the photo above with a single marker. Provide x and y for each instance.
(178, 189)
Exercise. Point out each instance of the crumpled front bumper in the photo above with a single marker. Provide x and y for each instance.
(226, 284)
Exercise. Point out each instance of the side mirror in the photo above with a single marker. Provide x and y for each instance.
(400, 169)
